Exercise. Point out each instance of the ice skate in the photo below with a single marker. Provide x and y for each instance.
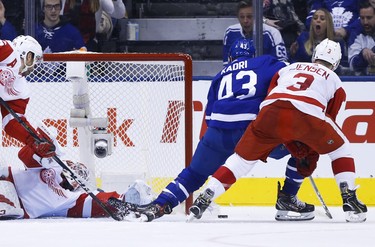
(355, 210)
(152, 211)
(200, 205)
(290, 208)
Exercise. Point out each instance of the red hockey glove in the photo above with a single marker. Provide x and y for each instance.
(43, 148)
(306, 166)
(297, 149)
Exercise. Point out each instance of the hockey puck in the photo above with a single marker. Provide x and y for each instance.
(222, 216)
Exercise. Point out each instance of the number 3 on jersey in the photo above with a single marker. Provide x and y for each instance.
(301, 82)
(247, 90)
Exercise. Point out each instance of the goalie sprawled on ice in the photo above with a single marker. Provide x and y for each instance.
(45, 189)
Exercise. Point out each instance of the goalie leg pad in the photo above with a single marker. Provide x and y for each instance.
(4, 172)
(10, 207)
(138, 193)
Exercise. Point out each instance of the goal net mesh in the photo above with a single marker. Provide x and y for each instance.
(144, 102)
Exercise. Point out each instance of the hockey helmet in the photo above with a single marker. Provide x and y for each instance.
(26, 44)
(80, 171)
(242, 48)
(329, 51)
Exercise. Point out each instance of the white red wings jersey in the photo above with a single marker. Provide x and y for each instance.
(12, 84)
(40, 192)
(312, 88)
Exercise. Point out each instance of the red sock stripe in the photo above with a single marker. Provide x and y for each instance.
(343, 165)
(225, 176)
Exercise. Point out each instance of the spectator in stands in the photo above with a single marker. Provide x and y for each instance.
(15, 14)
(273, 43)
(55, 33)
(344, 14)
(361, 52)
(281, 15)
(7, 30)
(321, 28)
(302, 8)
(87, 14)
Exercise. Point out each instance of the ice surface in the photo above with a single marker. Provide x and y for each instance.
(245, 226)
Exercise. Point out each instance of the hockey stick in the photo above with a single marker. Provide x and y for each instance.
(62, 164)
(320, 197)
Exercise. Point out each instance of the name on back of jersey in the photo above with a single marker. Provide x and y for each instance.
(234, 66)
(314, 69)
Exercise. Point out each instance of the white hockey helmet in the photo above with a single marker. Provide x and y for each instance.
(26, 44)
(80, 170)
(329, 51)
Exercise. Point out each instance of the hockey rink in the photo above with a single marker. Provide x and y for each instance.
(245, 226)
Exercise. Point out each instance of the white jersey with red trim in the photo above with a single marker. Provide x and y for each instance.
(46, 198)
(12, 84)
(311, 87)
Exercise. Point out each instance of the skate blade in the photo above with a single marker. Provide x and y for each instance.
(143, 218)
(293, 216)
(353, 217)
(190, 218)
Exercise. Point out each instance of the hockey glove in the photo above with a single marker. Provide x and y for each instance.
(297, 149)
(42, 148)
(307, 165)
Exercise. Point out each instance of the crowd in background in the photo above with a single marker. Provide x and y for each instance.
(87, 24)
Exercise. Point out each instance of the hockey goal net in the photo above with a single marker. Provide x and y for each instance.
(147, 100)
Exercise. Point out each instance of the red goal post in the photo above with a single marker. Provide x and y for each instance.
(147, 99)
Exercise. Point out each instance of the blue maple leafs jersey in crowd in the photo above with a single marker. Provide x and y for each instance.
(273, 43)
(60, 38)
(344, 13)
(236, 92)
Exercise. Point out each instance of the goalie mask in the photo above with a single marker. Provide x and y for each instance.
(80, 170)
(28, 46)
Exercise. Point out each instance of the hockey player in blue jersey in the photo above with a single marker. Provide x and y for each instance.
(233, 102)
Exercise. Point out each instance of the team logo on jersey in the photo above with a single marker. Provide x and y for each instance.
(330, 142)
(341, 17)
(48, 176)
(7, 79)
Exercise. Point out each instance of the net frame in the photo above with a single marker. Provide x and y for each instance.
(143, 57)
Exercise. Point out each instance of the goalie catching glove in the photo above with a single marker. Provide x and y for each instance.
(44, 147)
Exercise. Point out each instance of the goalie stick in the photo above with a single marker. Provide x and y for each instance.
(62, 164)
(320, 197)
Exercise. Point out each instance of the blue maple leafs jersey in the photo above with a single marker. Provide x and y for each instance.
(236, 92)
(273, 43)
(60, 38)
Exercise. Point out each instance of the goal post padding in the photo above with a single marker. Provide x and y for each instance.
(147, 99)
